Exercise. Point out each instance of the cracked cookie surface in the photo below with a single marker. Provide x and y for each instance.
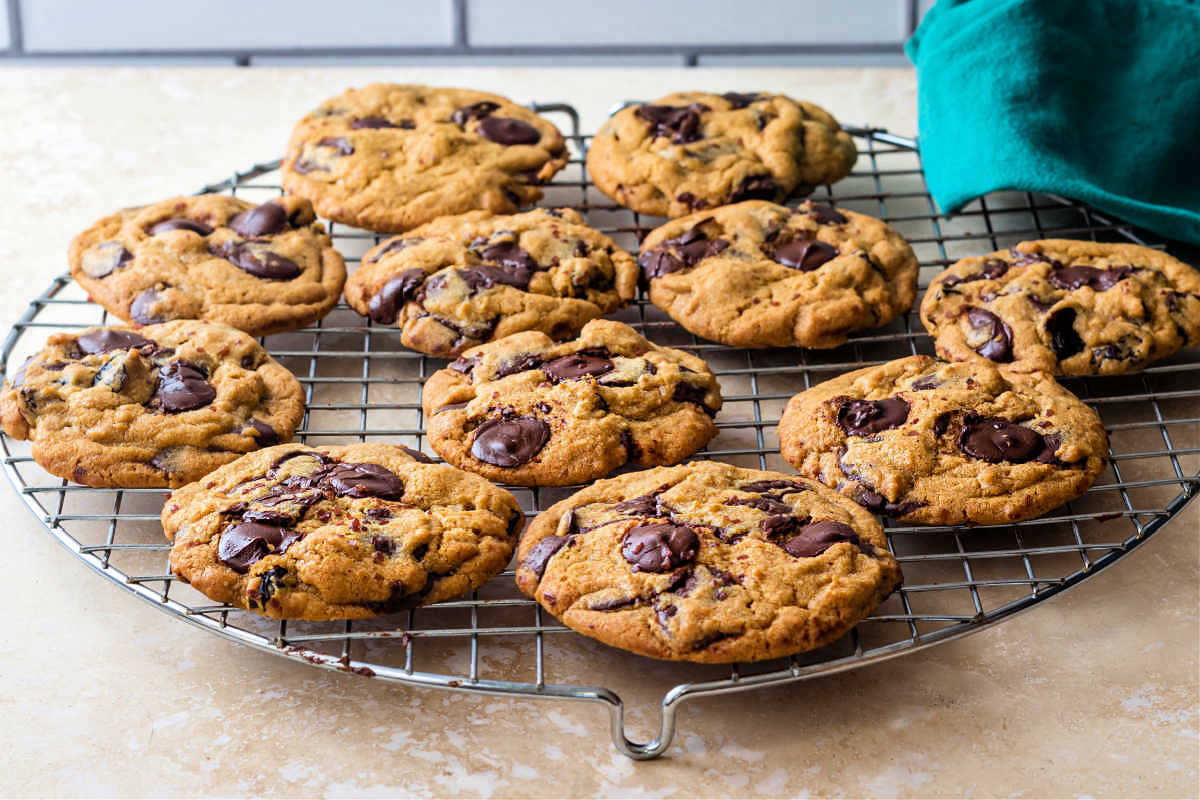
(707, 562)
(158, 406)
(390, 157)
(925, 440)
(318, 533)
(465, 280)
(262, 269)
(757, 274)
(1065, 307)
(525, 410)
(693, 150)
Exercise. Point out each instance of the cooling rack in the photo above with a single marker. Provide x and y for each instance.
(360, 384)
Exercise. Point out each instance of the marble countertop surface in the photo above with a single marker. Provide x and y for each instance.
(1091, 694)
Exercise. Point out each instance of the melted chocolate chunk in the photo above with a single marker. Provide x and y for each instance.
(268, 584)
(340, 145)
(102, 259)
(690, 248)
(805, 254)
(179, 224)
(925, 383)
(779, 525)
(878, 504)
(267, 435)
(826, 215)
(659, 546)
(541, 553)
(480, 110)
(992, 268)
(374, 122)
(994, 439)
(253, 258)
(998, 346)
(613, 604)
(510, 442)
(814, 539)
(107, 339)
(139, 309)
(865, 417)
(646, 506)
(463, 364)
(781, 486)
(485, 277)
(243, 544)
(267, 517)
(383, 544)
(508, 254)
(577, 366)
(681, 124)
(379, 514)
(631, 448)
(767, 504)
(183, 386)
(942, 422)
(1099, 280)
(385, 305)
(687, 393)
(362, 480)
(755, 187)
(417, 455)
(266, 219)
(739, 100)
(507, 131)
(521, 363)
(1064, 340)
(393, 246)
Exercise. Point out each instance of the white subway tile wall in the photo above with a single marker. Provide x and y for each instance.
(460, 32)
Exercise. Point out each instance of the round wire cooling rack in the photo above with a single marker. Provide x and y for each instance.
(361, 384)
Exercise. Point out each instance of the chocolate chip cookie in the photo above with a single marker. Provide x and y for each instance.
(690, 151)
(348, 532)
(160, 406)
(757, 274)
(262, 269)
(707, 562)
(525, 410)
(924, 440)
(389, 158)
(1065, 307)
(464, 280)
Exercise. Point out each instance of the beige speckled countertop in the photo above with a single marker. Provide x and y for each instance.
(1094, 693)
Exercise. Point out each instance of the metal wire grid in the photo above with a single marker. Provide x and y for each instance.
(361, 384)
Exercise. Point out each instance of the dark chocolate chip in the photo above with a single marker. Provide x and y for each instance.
(485, 277)
(269, 584)
(265, 516)
(183, 386)
(1064, 340)
(992, 268)
(576, 366)
(826, 215)
(816, 538)
(994, 439)
(646, 505)
(179, 224)
(385, 305)
(339, 144)
(631, 448)
(942, 422)
(680, 123)
(508, 254)
(480, 110)
(243, 544)
(777, 485)
(613, 604)
(521, 363)
(687, 393)
(463, 364)
(925, 383)
(998, 346)
(267, 435)
(1100, 280)
(541, 553)
(383, 544)
(682, 252)
(755, 187)
(266, 219)
(878, 504)
(107, 339)
(805, 254)
(392, 246)
(507, 131)
(510, 442)
(659, 546)
(363, 480)
(140, 308)
(741, 99)
(417, 455)
(379, 514)
(780, 525)
(865, 417)
(254, 258)
(373, 122)
(768, 504)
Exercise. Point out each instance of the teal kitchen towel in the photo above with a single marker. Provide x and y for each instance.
(1096, 100)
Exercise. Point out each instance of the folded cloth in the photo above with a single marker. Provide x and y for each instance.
(1096, 100)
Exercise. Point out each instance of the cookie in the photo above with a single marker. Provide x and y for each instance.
(318, 533)
(690, 151)
(1065, 307)
(389, 158)
(707, 562)
(527, 411)
(924, 440)
(469, 279)
(261, 269)
(160, 406)
(756, 274)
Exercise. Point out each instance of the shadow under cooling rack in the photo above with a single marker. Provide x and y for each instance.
(360, 384)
